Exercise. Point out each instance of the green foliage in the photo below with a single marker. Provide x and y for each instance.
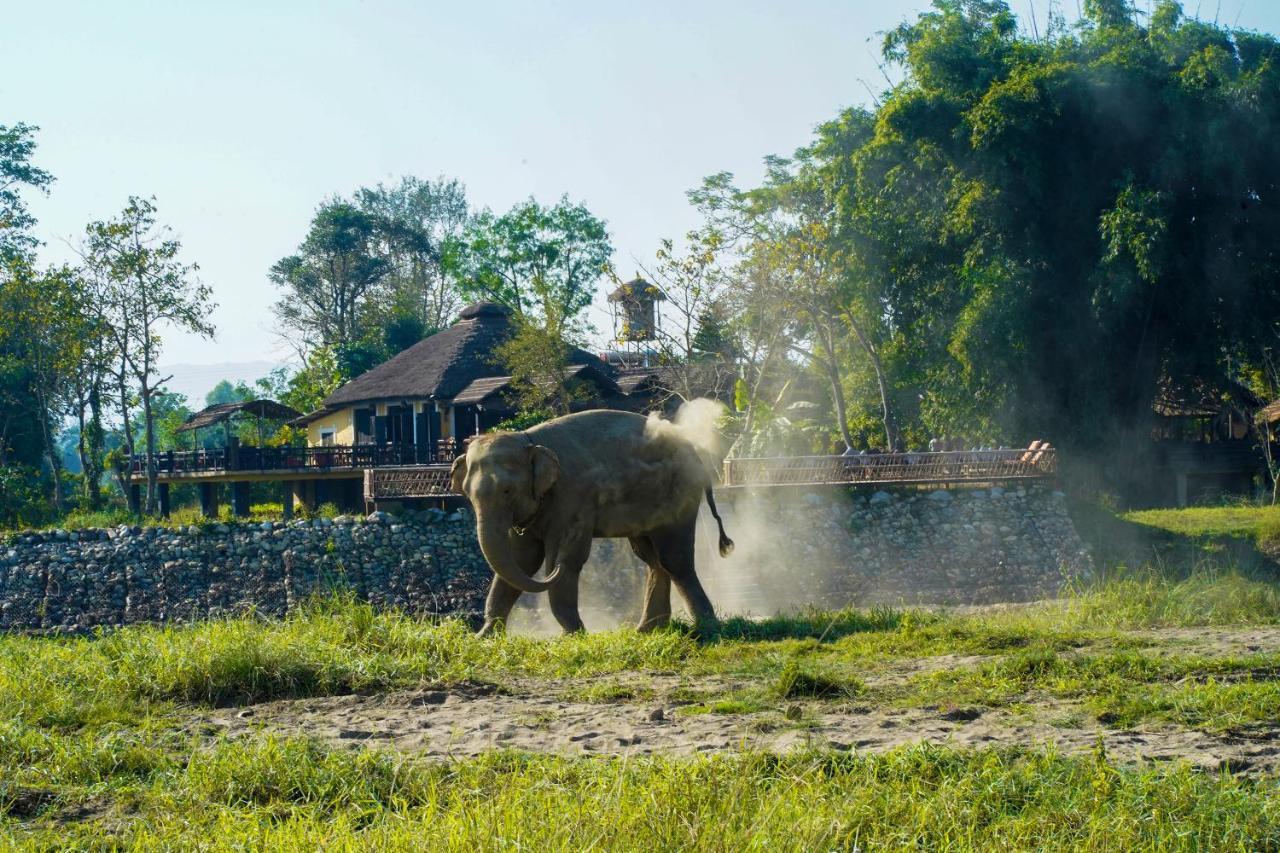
(419, 227)
(712, 338)
(17, 145)
(542, 262)
(328, 282)
(998, 239)
(537, 358)
(22, 497)
(225, 392)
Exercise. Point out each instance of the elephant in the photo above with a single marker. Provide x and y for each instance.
(542, 495)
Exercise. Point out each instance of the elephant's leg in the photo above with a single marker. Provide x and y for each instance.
(657, 592)
(502, 595)
(563, 597)
(675, 547)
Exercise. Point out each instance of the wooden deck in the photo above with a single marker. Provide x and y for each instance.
(276, 463)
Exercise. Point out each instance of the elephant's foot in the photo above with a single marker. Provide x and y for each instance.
(492, 625)
(653, 623)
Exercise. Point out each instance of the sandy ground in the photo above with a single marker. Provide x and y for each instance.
(465, 720)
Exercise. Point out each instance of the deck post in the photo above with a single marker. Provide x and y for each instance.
(240, 499)
(286, 499)
(163, 496)
(209, 500)
(135, 498)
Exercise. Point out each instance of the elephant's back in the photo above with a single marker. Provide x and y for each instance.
(592, 429)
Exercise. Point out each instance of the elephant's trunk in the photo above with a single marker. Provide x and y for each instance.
(496, 546)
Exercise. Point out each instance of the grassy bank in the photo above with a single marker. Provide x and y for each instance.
(104, 739)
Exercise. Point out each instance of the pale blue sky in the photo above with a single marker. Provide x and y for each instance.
(241, 116)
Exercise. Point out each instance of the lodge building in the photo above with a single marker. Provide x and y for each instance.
(418, 408)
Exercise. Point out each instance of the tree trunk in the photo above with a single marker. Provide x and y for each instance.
(890, 423)
(149, 430)
(95, 443)
(126, 473)
(82, 445)
(51, 451)
(832, 368)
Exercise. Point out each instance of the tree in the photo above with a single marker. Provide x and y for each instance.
(304, 388)
(542, 262)
(537, 357)
(225, 392)
(328, 282)
(418, 230)
(1028, 237)
(17, 144)
(150, 290)
(20, 431)
(41, 312)
(1065, 224)
(712, 339)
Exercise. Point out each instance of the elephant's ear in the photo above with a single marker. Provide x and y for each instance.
(458, 474)
(546, 469)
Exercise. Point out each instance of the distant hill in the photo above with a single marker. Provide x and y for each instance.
(194, 381)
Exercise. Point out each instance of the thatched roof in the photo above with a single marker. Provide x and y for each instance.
(480, 390)
(443, 365)
(635, 288)
(269, 409)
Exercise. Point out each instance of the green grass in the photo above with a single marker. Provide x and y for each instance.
(292, 794)
(1245, 521)
(1120, 689)
(99, 746)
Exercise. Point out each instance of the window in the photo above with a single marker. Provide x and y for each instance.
(326, 437)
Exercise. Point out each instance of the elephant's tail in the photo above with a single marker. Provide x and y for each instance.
(726, 544)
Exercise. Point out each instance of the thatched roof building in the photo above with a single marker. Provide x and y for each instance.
(442, 366)
(449, 385)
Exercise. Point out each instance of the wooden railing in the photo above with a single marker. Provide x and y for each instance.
(975, 466)
(962, 466)
(391, 484)
(292, 458)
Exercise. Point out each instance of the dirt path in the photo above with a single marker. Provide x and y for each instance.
(465, 720)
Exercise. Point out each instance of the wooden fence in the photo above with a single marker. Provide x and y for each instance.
(963, 466)
(973, 466)
(393, 484)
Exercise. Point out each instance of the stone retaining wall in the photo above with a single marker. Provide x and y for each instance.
(820, 548)
(947, 546)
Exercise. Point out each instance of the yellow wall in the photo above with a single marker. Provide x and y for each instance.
(342, 422)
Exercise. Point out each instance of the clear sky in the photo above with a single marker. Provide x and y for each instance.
(239, 117)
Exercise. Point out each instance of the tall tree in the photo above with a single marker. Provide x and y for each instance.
(327, 284)
(42, 310)
(418, 230)
(17, 144)
(151, 290)
(542, 262)
(20, 432)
